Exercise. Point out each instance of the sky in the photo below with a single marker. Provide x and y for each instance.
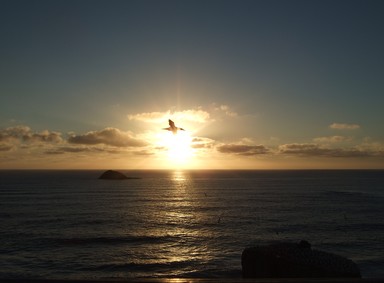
(271, 84)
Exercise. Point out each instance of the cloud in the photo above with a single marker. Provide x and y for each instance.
(54, 152)
(143, 153)
(65, 149)
(194, 115)
(150, 117)
(332, 139)
(242, 149)
(314, 150)
(26, 135)
(341, 126)
(370, 144)
(6, 147)
(226, 110)
(299, 149)
(107, 136)
(92, 149)
(44, 136)
(200, 142)
(14, 134)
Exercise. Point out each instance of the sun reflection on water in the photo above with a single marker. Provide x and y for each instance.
(180, 221)
(179, 176)
(173, 226)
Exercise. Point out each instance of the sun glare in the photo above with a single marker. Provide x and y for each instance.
(177, 146)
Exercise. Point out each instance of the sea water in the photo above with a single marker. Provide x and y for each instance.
(72, 225)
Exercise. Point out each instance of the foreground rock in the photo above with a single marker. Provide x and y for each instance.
(114, 175)
(289, 260)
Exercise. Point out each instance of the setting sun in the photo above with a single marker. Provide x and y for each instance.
(177, 146)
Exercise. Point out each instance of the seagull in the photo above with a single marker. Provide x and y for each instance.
(172, 127)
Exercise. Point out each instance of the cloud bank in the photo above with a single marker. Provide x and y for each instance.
(242, 149)
(107, 136)
(25, 134)
(12, 137)
(23, 143)
(202, 143)
(315, 150)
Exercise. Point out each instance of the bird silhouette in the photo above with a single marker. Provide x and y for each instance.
(172, 127)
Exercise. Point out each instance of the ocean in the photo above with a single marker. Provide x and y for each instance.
(72, 225)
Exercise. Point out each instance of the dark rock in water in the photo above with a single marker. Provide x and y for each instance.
(113, 175)
(290, 260)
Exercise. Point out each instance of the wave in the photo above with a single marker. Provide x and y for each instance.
(80, 241)
(352, 193)
(362, 227)
(345, 193)
(142, 266)
(179, 269)
(75, 227)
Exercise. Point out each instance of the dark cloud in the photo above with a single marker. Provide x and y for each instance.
(45, 136)
(54, 152)
(74, 149)
(23, 137)
(81, 149)
(242, 149)
(107, 136)
(200, 142)
(6, 147)
(313, 150)
(65, 149)
(143, 153)
(25, 134)
(14, 133)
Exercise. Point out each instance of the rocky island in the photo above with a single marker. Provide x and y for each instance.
(115, 175)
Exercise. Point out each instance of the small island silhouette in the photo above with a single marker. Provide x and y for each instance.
(115, 175)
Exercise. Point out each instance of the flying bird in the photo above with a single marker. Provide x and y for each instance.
(172, 127)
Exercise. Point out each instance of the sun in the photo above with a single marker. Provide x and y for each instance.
(178, 146)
